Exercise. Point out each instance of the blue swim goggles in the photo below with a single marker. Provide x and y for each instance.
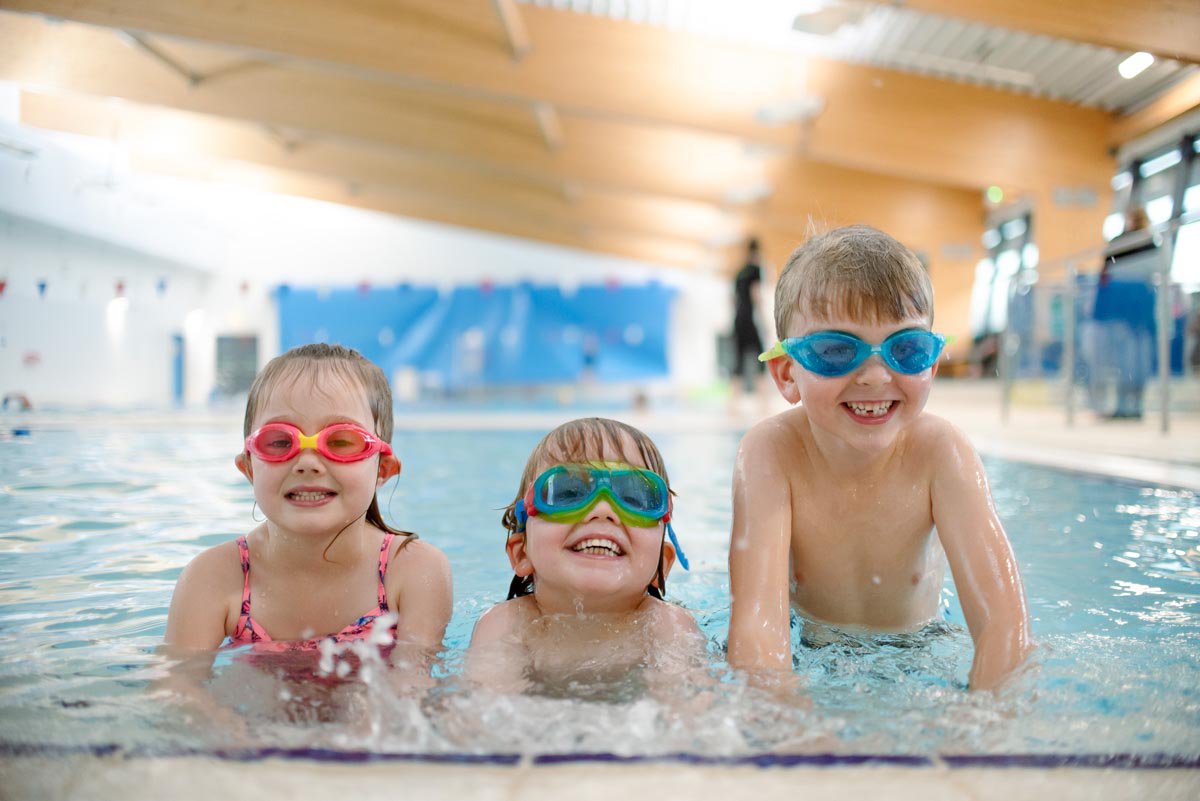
(833, 353)
(567, 492)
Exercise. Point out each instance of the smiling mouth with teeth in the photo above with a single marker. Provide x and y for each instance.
(878, 409)
(599, 547)
(310, 496)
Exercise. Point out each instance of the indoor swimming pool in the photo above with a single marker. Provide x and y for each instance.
(101, 515)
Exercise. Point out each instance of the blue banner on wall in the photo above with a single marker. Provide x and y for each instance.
(485, 335)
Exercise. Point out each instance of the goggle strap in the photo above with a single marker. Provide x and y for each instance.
(774, 353)
(683, 562)
(521, 515)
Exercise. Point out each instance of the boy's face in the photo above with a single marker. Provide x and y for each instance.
(866, 408)
(613, 572)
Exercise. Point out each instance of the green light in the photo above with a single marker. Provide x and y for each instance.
(995, 194)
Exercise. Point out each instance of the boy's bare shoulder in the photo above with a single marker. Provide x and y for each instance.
(941, 442)
(777, 435)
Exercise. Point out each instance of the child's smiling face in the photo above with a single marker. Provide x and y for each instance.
(598, 564)
(310, 494)
(868, 407)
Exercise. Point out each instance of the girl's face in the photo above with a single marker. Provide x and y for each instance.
(310, 495)
(598, 564)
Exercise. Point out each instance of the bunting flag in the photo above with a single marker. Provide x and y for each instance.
(282, 291)
(486, 286)
(161, 286)
(612, 284)
(120, 287)
(364, 288)
(41, 285)
(244, 287)
(3, 284)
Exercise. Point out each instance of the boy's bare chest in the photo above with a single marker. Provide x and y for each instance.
(873, 524)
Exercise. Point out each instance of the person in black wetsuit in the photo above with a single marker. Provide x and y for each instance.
(748, 372)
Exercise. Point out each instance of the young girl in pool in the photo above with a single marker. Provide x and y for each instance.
(590, 542)
(323, 564)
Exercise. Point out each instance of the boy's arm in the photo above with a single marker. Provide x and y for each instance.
(981, 560)
(759, 563)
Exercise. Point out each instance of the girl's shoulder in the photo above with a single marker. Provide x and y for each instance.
(411, 555)
(221, 564)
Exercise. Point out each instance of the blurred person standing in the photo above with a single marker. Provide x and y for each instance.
(1124, 325)
(749, 374)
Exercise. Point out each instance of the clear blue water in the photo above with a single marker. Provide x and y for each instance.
(96, 524)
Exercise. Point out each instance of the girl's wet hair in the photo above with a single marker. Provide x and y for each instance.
(316, 363)
(857, 272)
(585, 440)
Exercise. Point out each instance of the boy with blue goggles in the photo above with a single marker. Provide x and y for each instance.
(848, 506)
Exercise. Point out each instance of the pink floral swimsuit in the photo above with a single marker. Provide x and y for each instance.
(248, 631)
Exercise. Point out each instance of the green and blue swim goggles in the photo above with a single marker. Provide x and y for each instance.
(566, 493)
(834, 353)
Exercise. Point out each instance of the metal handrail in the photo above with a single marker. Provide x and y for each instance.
(1164, 235)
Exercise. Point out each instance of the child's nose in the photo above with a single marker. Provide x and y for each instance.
(602, 511)
(873, 372)
(308, 459)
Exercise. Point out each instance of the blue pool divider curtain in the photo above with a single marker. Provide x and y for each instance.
(490, 335)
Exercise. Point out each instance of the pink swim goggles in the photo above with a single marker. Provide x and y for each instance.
(340, 442)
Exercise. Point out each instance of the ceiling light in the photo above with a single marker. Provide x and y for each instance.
(1135, 65)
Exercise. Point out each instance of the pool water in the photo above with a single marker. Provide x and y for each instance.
(97, 521)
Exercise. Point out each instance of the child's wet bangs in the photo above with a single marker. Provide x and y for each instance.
(859, 301)
(586, 441)
(319, 376)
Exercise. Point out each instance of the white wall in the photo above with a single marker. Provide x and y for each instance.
(77, 344)
(223, 249)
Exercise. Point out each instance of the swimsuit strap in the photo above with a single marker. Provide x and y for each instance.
(384, 554)
(244, 618)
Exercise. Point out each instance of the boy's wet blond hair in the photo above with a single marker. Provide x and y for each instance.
(858, 272)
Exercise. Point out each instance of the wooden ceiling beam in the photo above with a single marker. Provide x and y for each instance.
(1178, 100)
(159, 134)
(1166, 28)
(591, 67)
(500, 137)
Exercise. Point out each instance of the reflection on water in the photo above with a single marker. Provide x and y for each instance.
(96, 524)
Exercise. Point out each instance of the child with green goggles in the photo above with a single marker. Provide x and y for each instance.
(590, 542)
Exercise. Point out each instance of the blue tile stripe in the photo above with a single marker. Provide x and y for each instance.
(1148, 761)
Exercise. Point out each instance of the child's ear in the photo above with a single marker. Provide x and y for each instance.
(389, 467)
(668, 560)
(783, 372)
(242, 462)
(517, 556)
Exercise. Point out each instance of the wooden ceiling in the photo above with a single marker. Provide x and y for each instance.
(583, 131)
